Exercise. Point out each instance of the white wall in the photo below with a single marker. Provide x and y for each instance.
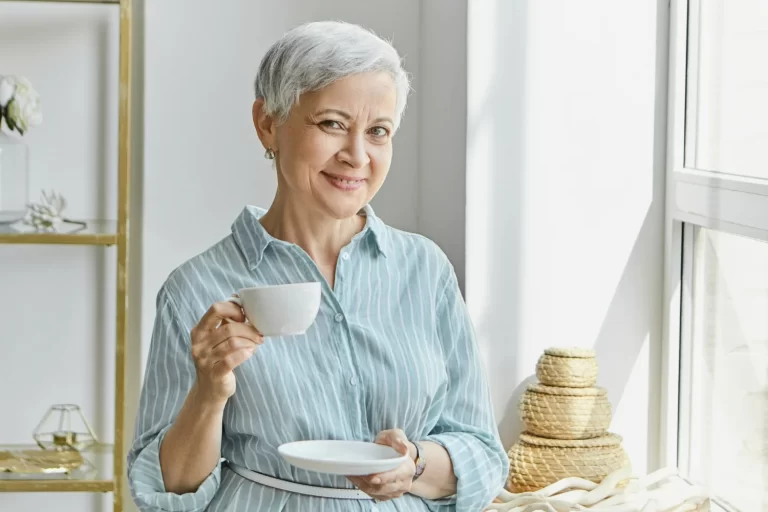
(441, 88)
(565, 168)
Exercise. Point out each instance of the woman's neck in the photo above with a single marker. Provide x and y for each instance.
(321, 236)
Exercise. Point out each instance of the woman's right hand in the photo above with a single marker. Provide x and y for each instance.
(221, 342)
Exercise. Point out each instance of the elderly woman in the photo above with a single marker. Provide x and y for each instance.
(391, 356)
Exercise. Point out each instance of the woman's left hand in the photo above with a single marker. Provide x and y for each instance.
(394, 483)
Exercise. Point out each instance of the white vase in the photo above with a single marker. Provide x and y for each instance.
(14, 178)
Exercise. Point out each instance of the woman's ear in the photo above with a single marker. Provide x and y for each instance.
(266, 127)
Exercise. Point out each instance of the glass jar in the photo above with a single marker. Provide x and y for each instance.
(14, 178)
(64, 427)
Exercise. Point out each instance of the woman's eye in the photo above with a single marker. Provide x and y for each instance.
(333, 125)
(379, 131)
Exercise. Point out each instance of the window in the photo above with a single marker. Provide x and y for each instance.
(728, 93)
(724, 365)
(715, 383)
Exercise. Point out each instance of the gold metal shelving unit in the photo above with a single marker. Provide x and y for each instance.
(100, 233)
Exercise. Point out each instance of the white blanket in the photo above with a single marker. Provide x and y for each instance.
(661, 491)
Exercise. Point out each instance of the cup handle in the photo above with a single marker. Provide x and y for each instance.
(237, 300)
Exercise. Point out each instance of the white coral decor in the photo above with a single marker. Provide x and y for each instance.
(46, 214)
(661, 491)
(19, 104)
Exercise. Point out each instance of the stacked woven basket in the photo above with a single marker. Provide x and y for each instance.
(566, 419)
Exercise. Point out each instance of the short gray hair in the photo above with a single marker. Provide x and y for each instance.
(314, 55)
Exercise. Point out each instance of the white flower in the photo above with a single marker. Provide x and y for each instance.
(7, 88)
(24, 109)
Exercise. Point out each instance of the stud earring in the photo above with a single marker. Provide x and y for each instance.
(269, 154)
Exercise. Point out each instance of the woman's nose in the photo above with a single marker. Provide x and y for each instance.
(354, 152)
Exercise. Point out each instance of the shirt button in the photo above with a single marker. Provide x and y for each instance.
(345, 255)
(339, 317)
(374, 509)
(353, 381)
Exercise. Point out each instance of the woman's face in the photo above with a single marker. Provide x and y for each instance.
(335, 149)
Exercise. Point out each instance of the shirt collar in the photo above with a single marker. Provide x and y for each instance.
(253, 239)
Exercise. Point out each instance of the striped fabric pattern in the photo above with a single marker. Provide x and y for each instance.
(392, 347)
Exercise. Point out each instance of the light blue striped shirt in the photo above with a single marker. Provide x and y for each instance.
(392, 347)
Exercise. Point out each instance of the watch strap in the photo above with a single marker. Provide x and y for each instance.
(420, 460)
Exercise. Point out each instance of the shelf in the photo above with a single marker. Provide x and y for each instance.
(97, 232)
(67, 1)
(56, 486)
(98, 479)
(108, 475)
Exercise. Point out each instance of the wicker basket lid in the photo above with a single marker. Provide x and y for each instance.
(552, 390)
(570, 352)
(609, 439)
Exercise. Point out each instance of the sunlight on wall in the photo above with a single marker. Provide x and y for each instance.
(630, 416)
(565, 196)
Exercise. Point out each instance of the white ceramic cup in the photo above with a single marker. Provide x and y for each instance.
(280, 310)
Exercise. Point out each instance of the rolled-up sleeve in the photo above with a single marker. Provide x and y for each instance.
(170, 374)
(466, 427)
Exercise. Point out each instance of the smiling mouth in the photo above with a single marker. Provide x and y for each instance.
(343, 180)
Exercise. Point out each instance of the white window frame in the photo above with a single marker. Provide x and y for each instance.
(729, 203)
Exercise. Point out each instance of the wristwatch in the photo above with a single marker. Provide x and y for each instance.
(420, 460)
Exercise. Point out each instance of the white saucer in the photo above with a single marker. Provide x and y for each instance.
(347, 458)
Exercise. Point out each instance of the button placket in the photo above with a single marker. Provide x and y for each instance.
(341, 269)
(350, 376)
(353, 380)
